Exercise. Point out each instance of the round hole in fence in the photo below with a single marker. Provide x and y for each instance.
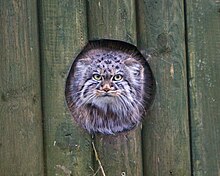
(109, 87)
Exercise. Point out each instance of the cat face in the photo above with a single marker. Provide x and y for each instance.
(109, 82)
(107, 87)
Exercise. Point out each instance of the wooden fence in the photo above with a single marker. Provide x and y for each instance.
(38, 41)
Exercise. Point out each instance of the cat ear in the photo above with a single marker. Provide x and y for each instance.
(134, 66)
(84, 61)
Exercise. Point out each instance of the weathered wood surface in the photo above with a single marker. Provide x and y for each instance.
(203, 29)
(120, 154)
(21, 140)
(159, 25)
(63, 34)
(166, 148)
(112, 20)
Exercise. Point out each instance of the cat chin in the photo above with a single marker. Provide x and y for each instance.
(108, 115)
(104, 100)
(104, 103)
(109, 104)
(111, 128)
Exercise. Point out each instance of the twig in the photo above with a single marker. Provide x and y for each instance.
(96, 171)
(97, 158)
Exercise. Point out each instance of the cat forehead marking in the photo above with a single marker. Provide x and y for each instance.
(107, 69)
(108, 64)
(105, 59)
(107, 56)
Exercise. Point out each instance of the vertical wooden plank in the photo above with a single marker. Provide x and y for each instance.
(203, 21)
(21, 140)
(119, 154)
(112, 20)
(63, 35)
(166, 148)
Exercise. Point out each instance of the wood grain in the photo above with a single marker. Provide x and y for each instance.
(21, 140)
(203, 26)
(63, 35)
(166, 148)
(112, 20)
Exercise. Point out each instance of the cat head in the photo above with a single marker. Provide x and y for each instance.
(107, 83)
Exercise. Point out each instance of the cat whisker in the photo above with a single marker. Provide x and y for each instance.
(86, 100)
(123, 102)
(135, 112)
(73, 94)
(141, 105)
(135, 100)
(133, 104)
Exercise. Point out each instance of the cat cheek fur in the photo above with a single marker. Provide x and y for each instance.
(136, 71)
(86, 93)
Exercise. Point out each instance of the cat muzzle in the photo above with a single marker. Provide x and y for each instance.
(106, 88)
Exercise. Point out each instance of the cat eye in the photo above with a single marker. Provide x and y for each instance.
(97, 77)
(117, 77)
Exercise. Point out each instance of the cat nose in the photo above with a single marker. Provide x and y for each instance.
(106, 87)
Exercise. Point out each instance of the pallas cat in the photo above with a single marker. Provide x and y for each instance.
(109, 87)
